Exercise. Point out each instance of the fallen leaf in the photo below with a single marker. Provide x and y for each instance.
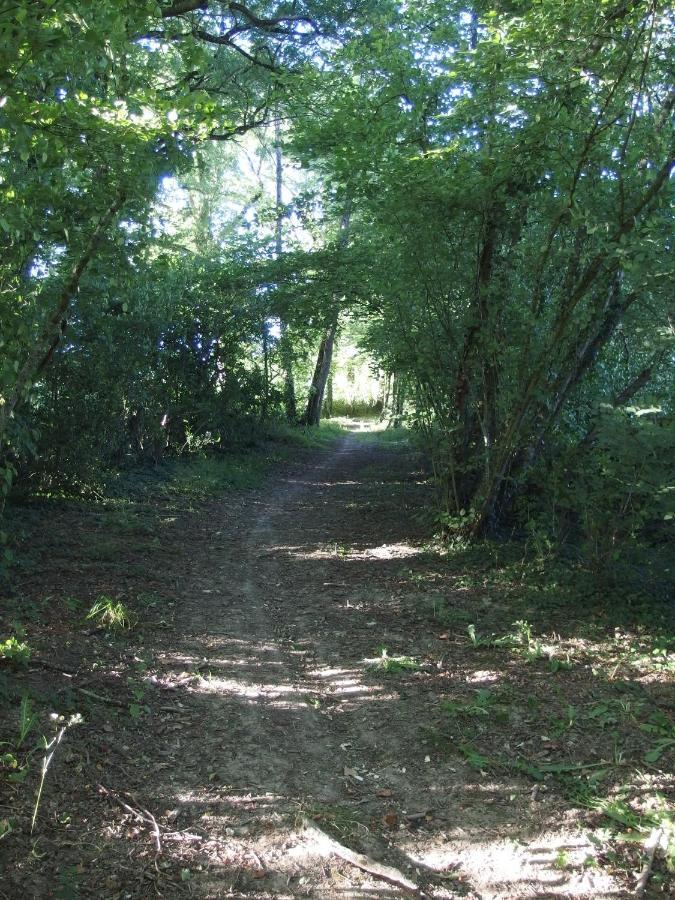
(390, 819)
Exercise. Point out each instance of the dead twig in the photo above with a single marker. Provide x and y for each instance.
(418, 816)
(141, 814)
(62, 670)
(155, 827)
(150, 819)
(651, 845)
(100, 697)
(183, 836)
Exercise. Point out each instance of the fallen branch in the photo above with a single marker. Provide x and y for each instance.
(258, 861)
(62, 670)
(329, 846)
(155, 828)
(141, 814)
(651, 845)
(100, 697)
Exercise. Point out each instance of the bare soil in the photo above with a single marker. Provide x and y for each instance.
(281, 697)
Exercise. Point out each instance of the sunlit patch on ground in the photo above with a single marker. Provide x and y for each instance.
(337, 684)
(563, 863)
(393, 551)
(348, 551)
(483, 676)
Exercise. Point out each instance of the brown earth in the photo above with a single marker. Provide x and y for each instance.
(243, 745)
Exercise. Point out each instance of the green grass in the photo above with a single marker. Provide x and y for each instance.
(341, 818)
(113, 615)
(393, 664)
(328, 432)
(205, 478)
(386, 436)
(576, 679)
(129, 519)
(450, 615)
(484, 705)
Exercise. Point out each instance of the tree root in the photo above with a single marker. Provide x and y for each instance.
(329, 846)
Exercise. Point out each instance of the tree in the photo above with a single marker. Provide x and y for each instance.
(508, 166)
(510, 170)
(324, 356)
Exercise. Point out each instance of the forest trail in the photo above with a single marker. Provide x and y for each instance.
(280, 616)
(236, 657)
(277, 733)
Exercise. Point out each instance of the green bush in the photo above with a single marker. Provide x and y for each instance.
(14, 651)
(610, 498)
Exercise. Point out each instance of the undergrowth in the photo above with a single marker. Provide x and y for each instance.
(577, 688)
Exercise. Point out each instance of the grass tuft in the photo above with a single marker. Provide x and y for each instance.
(393, 664)
(113, 615)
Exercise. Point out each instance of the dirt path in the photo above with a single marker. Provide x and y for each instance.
(282, 612)
(276, 728)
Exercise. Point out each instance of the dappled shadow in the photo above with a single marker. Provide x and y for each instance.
(305, 681)
(302, 722)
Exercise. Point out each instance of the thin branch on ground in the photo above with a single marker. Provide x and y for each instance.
(100, 697)
(330, 846)
(141, 814)
(651, 845)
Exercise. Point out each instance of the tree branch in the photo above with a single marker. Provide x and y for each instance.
(622, 398)
(181, 7)
(43, 348)
(635, 385)
(238, 130)
(267, 24)
(225, 40)
(186, 6)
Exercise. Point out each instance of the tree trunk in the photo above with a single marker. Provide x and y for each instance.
(626, 394)
(265, 339)
(386, 394)
(321, 371)
(285, 348)
(521, 439)
(398, 401)
(328, 402)
(521, 452)
(325, 355)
